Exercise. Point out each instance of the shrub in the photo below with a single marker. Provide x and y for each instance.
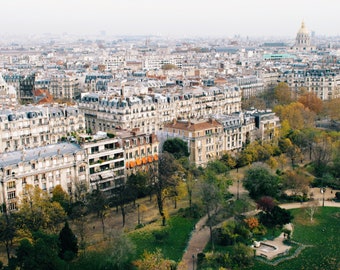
(337, 195)
(160, 235)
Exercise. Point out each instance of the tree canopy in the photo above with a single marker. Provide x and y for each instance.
(259, 181)
(177, 147)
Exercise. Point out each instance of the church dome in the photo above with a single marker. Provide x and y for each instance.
(303, 29)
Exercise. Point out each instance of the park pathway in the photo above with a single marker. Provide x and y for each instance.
(201, 235)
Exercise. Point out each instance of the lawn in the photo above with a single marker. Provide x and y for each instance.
(323, 234)
(174, 242)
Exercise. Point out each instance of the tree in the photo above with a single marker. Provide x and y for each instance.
(68, 243)
(276, 217)
(332, 109)
(311, 101)
(60, 196)
(211, 197)
(154, 261)
(177, 147)
(229, 160)
(266, 203)
(294, 153)
(122, 195)
(242, 255)
(119, 252)
(137, 185)
(39, 253)
(296, 114)
(311, 209)
(322, 153)
(282, 94)
(37, 212)
(98, 203)
(297, 181)
(165, 181)
(260, 182)
(7, 232)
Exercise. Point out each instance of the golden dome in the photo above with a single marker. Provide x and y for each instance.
(303, 29)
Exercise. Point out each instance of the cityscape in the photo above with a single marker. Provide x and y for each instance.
(191, 138)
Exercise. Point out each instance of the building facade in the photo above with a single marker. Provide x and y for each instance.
(148, 113)
(204, 138)
(34, 126)
(324, 83)
(61, 164)
(106, 163)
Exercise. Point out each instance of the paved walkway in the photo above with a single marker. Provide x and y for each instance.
(201, 235)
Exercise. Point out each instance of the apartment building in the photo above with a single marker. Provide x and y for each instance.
(106, 162)
(250, 86)
(149, 112)
(64, 87)
(62, 164)
(8, 94)
(34, 126)
(267, 124)
(325, 83)
(205, 138)
(238, 130)
(141, 150)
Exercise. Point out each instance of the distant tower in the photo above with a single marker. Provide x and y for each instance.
(303, 38)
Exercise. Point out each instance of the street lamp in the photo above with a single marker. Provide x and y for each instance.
(238, 189)
(138, 214)
(193, 261)
(323, 196)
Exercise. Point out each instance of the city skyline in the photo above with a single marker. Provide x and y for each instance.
(215, 18)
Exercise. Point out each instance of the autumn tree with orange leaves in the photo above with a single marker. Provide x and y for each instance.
(311, 101)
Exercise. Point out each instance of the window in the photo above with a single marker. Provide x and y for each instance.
(12, 206)
(10, 184)
(11, 195)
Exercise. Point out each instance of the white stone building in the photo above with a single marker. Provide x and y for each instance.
(62, 164)
(34, 126)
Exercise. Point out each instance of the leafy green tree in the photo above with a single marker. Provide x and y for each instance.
(68, 243)
(177, 147)
(211, 196)
(242, 256)
(7, 232)
(229, 160)
(217, 167)
(259, 181)
(275, 217)
(60, 196)
(116, 255)
(39, 253)
(137, 184)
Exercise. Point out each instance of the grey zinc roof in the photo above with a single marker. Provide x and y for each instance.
(13, 158)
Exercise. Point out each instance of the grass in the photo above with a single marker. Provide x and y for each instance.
(174, 242)
(322, 234)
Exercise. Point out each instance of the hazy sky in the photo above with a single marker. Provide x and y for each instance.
(222, 18)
